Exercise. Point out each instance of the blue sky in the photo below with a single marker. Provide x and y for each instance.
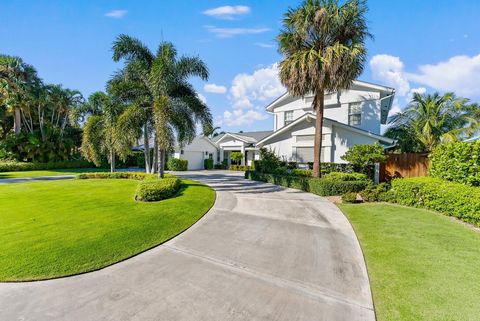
(419, 46)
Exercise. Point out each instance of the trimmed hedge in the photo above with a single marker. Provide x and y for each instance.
(116, 175)
(242, 168)
(208, 163)
(340, 176)
(177, 164)
(12, 166)
(453, 199)
(457, 162)
(157, 190)
(319, 186)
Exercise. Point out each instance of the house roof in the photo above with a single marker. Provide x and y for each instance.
(381, 88)
(310, 117)
(246, 137)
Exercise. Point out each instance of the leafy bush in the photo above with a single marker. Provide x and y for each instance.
(350, 197)
(177, 164)
(208, 163)
(302, 172)
(157, 189)
(457, 161)
(239, 168)
(340, 176)
(269, 161)
(365, 155)
(319, 186)
(236, 157)
(116, 175)
(450, 198)
(12, 166)
(220, 166)
(376, 193)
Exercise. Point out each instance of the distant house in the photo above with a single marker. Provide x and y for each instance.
(352, 116)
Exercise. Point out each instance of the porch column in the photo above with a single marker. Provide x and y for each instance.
(221, 155)
(243, 153)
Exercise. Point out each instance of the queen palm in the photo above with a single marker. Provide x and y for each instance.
(430, 119)
(158, 85)
(323, 49)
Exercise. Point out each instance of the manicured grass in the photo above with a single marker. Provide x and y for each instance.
(422, 265)
(57, 228)
(51, 172)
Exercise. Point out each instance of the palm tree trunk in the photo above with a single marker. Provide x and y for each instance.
(161, 163)
(317, 150)
(155, 156)
(17, 121)
(146, 148)
(112, 161)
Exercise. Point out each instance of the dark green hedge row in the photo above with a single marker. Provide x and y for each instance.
(239, 168)
(157, 189)
(177, 164)
(319, 186)
(453, 199)
(116, 175)
(12, 166)
(457, 161)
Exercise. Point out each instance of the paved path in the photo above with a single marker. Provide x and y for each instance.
(261, 253)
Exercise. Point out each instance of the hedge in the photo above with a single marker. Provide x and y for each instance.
(319, 186)
(12, 166)
(450, 198)
(116, 175)
(208, 163)
(177, 164)
(239, 168)
(457, 162)
(158, 189)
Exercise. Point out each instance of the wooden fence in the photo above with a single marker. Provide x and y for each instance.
(404, 165)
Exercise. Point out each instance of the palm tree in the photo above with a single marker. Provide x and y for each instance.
(102, 134)
(15, 77)
(323, 47)
(211, 132)
(430, 119)
(159, 86)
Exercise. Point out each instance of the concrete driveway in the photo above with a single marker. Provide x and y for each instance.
(261, 253)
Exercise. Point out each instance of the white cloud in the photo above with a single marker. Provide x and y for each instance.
(202, 98)
(390, 70)
(419, 90)
(215, 89)
(240, 117)
(460, 74)
(227, 12)
(116, 14)
(395, 109)
(248, 89)
(232, 32)
(264, 45)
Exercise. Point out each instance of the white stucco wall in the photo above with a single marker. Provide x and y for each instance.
(191, 152)
(344, 139)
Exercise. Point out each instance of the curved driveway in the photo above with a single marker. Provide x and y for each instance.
(261, 253)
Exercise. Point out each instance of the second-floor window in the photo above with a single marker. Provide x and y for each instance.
(355, 114)
(288, 116)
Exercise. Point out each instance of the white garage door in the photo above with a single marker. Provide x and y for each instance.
(195, 160)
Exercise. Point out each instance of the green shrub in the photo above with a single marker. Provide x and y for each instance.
(236, 157)
(376, 193)
(319, 186)
(220, 166)
(208, 163)
(302, 172)
(177, 164)
(157, 189)
(269, 161)
(450, 198)
(13, 166)
(457, 162)
(241, 168)
(116, 175)
(365, 155)
(340, 176)
(257, 165)
(350, 197)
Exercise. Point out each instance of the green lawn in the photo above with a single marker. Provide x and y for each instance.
(422, 265)
(50, 172)
(57, 228)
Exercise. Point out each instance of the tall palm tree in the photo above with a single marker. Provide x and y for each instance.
(430, 119)
(15, 77)
(323, 47)
(102, 134)
(160, 86)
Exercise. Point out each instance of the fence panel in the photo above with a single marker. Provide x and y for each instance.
(404, 165)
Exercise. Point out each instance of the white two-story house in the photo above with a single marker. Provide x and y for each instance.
(352, 116)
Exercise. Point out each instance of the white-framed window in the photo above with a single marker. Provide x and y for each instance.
(355, 114)
(288, 117)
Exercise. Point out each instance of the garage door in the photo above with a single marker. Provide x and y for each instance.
(195, 160)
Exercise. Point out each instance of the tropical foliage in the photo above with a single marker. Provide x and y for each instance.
(38, 122)
(323, 49)
(365, 155)
(430, 119)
